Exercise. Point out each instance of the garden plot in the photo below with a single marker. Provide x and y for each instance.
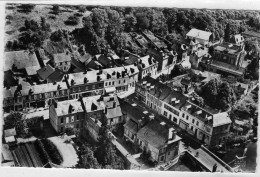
(67, 151)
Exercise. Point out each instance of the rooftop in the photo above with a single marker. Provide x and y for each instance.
(252, 33)
(228, 47)
(228, 67)
(45, 72)
(21, 59)
(111, 111)
(156, 134)
(147, 61)
(91, 102)
(64, 106)
(61, 57)
(199, 34)
(10, 132)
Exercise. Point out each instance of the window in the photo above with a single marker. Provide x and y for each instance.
(124, 80)
(170, 117)
(175, 119)
(187, 117)
(191, 128)
(113, 83)
(183, 115)
(77, 117)
(72, 118)
(192, 120)
(162, 158)
(109, 83)
(61, 120)
(67, 120)
(119, 82)
(106, 84)
(197, 123)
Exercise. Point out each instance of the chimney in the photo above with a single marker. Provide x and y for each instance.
(108, 76)
(55, 104)
(113, 73)
(85, 80)
(72, 82)
(170, 134)
(105, 110)
(118, 75)
(58, 87)
(114, 104)
(98, 78)
(30, 91)
(132, 70)
(71, 109)
(214, 168)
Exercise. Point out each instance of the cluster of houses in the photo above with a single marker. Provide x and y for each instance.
(80, 90)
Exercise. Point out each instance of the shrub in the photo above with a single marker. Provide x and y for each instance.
(45, 158)
(72, 20)
(52, 150)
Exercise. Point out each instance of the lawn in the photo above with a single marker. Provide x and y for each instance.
(18, 18)
(67, 151)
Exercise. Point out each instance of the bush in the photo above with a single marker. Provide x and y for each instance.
(72, 20)
(52, 150)
(45, 158)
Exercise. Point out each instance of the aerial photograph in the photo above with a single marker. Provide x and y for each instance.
(130, 88)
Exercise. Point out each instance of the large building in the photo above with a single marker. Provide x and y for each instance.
(62, 61)
(202, 37)
(211, 128)
(147, 66)
(228, 59)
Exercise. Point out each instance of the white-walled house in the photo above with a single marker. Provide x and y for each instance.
(201, 36)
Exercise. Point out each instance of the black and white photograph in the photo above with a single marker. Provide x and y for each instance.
(146, 87)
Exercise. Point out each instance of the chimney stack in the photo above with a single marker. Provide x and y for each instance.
(114, 104)
(170, 134)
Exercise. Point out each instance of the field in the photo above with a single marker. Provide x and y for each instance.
(12, 29)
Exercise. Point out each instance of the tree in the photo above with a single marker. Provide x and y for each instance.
(87, 159)
(105, 153)
(27, 7)
(227, 33)
(210, 92)
(56, 9)
(15, 120)
(253, 69)
(143, 21)
(130, 22)
(225, 97)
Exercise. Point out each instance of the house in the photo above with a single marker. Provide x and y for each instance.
(85, 59)
(147, 65)
(104, 61)
(120, 78)
(166, 59)
(94, 65)
(77, 66)
(196, 57)
(201, 36)
(66, 114)
(25, 95)
(208, 126)
(160, 141)
(45, 72)
(56, 76)
(237, 39)
(135, 119)
(142, 87)
(129, 58)
(62, 61)
(23, 61)
(113, 112)
(228, 59)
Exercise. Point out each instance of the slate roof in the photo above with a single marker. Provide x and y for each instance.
(56, 76)
(21, 59)
(45, 72)
(196, 33)
(85, 58)
(61, 57)
(155, 134)
(63, 107)
(79, 66)
(131, 126)
(112, 112)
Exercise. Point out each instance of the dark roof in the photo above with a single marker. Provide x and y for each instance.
(56, 76)
(131, 126)
(45, 72)
(185, 81)
(132, 111)
(104, 60)
(94, 65)
(131, 60)
(85, 58)
(78, 65)
(9, 79)
(155, 134)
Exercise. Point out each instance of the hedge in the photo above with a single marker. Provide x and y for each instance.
(52, 151)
